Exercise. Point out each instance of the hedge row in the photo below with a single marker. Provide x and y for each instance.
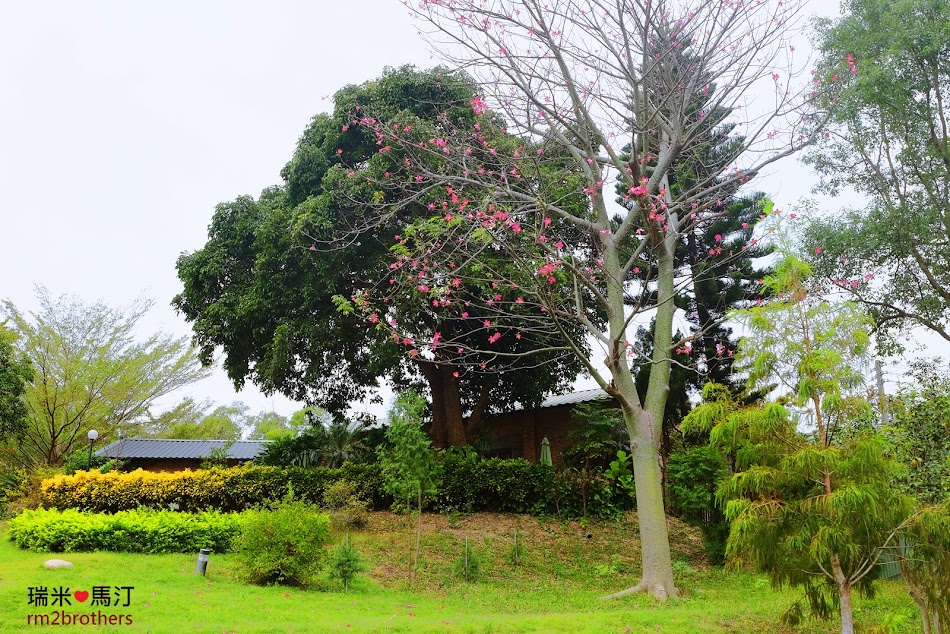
(139, 531)
(467, 484)
(234, 489)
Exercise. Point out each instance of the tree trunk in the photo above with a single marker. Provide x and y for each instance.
(452, 404)
(438, 431)
(450, 428)
(643, 423)
(924, 610)
(844, 596)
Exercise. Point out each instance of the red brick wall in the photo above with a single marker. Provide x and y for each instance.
(521, 433)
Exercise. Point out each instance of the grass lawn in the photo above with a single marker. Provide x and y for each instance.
(555, 589)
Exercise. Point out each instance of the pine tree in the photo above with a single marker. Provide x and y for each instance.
(813, 501)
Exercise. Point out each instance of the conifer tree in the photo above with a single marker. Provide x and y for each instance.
(812, 502)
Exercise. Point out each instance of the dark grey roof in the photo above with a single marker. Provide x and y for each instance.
(175, 448)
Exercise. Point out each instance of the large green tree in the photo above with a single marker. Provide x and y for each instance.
(263, 287)
(16, 372)
(890, 141)
(91, 371)
(225, 422)
(920, 430)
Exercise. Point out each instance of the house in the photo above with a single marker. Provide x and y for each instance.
(172, 454)
(519, 432)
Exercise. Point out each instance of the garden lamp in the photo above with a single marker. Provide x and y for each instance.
(92, 435)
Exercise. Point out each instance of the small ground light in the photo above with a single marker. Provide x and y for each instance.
(202, 567)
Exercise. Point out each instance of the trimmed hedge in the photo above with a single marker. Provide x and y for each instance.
(510, 486)
(234, 489)
(469, 484)
(139, 531)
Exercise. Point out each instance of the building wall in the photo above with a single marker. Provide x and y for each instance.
(519, 434)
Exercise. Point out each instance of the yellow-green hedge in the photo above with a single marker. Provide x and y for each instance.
(232, 489)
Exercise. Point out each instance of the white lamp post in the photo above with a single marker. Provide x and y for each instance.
(92, 435)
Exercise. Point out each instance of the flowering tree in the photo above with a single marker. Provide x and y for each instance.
(578, 82)
(891, 142)
(264, 294)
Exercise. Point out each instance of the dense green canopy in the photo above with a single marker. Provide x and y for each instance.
(266, 286)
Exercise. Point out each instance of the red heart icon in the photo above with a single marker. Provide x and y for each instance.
(81, 595)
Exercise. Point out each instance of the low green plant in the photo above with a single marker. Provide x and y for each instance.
(285, 544)
(80, 461)
(138, 531)
(346, 563)
(893, 623)
(516, 552)
(469, 564)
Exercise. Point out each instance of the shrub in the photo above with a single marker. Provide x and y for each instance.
(21, 490)
(469, 484)
(509, 486)
(79, 461)
(233, 489)
(348, 510)
(693, 475)
(346, 563)
(284, 545)
(139, 531)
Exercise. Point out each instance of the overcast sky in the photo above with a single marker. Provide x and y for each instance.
(122, 124)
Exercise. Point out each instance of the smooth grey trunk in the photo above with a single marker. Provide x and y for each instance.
(844, 596)
(643, 419)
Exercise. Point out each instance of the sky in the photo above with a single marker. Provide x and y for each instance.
(123, 124)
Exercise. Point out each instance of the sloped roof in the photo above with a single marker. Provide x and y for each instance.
(582, 396)
(169, 448)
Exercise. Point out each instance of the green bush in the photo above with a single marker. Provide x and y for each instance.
(284, 545)
(139, 531)
(346, 563)
(509, 486)
(79, 461)
(234, 489)
(693, 475)
(348, 510)
(21, 490)
(468, 484)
